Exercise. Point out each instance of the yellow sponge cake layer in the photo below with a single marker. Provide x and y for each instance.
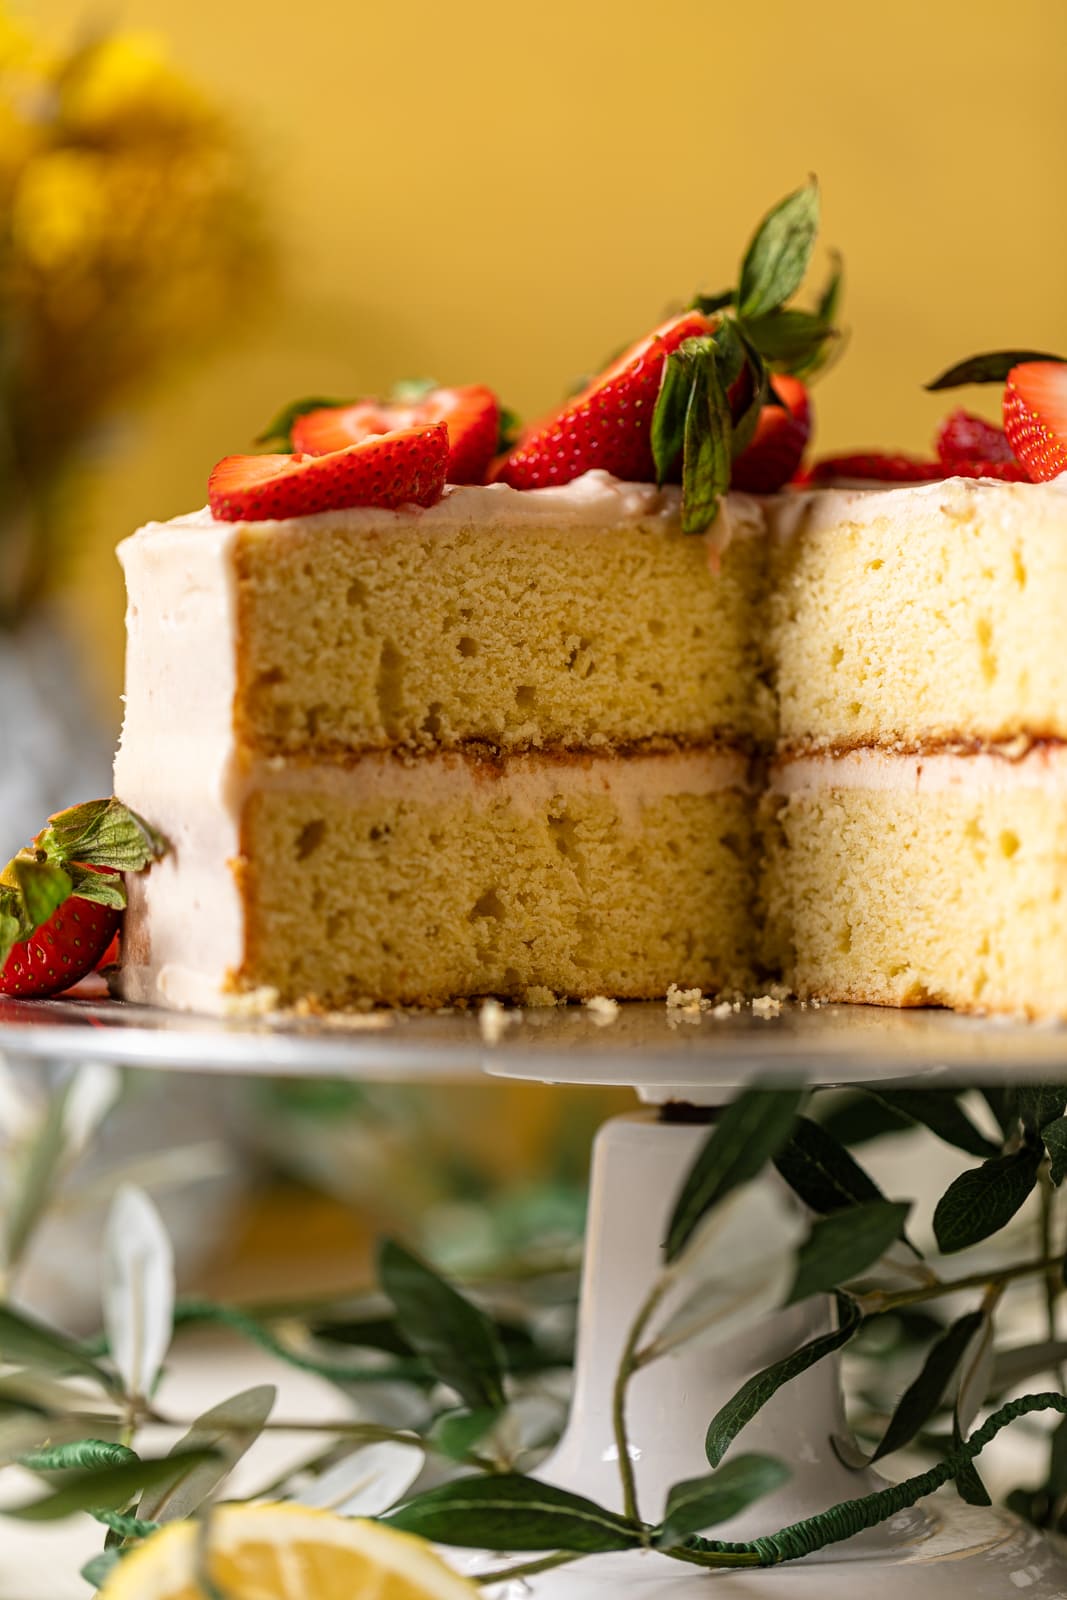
(467, 622)
(450, 875)
(905, 880)
(928, 613)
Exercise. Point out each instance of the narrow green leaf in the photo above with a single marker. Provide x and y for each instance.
(37, 1178)
(982, 1201)
(26, 1342)
(821, 1171)
(730, 349)
(221, 1435)
(749, 1133)
(456, 1433)
(43, 887)
(1055, 1137)
(278, 434)
(506, 1511)
(1001, 1101)
(941, 1112)
(104, 833)
(10, 934)
(844, 1244)
(745, 425)
(79, 1455)
(777, 259)
(1040, 1103)
(668, 417)
(100, 1568)
(991, 368)
(110, 1488)
(700, 1503)
(924, 1395)
(753, 1395)
(455, 1339)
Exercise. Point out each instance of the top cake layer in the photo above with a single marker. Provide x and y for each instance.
(579, 617)
(918, 615)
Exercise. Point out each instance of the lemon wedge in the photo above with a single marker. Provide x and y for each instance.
(286, 1552)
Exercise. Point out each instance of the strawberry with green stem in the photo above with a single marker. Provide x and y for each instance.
(61, 898)
(687, 400)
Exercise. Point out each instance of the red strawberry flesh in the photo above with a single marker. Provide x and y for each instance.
(61, 951)
(1035, 417)
(875, 467)
(963, 437)
(404, 467)
(608, 425)
(471, 415)
(777, 446)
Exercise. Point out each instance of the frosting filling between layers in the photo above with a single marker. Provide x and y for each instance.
(996, 770)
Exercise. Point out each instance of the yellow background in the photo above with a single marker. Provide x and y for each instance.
(507, 194)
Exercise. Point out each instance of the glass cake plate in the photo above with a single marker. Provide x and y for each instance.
(938, 1550)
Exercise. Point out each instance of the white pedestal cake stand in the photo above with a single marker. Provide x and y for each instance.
(941, 1548)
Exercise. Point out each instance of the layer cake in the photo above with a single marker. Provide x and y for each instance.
(497, 746)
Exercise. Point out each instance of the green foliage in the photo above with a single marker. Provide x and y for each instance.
(924, 1395)
(504, 1511)
(844, 1244)
(984, 1200)
(700, 1503)
(821, 1172)
(456, 1340)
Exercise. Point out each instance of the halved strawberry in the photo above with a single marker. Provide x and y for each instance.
(963, 436)
(609, 424)
(1005, 471)
(1035, 417)
(405, 467)
(873, 466)
(471, 415)
(62, 951)
(778, 443)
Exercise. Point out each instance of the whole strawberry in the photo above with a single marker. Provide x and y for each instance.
(61, 899)
(774, 454)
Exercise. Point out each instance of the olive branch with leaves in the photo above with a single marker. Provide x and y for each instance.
(72, 1412)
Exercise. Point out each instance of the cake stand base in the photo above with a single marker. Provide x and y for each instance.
(940, 1548)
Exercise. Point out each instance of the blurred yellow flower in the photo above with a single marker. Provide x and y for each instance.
(129, 236)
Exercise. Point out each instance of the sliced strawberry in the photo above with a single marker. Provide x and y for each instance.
(873, 466)
(609, 424)
(778, 443)
(62, 950)
(405, 467)
(1035, 417)
(471, 415)
(1006, 471)
(963, 436)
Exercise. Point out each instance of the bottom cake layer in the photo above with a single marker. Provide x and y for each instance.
(907, 880)
(448, 876)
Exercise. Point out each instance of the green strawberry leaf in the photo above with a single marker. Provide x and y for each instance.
(506, 1511)
(706, 450)
(990, 368)
(749, 1133)
(778, 256)
(924, 1395)
(102, 833)
(844, 1244)
(409, 391)
(700, 1503)
(668, 417)
(982, 1201)
(710, 303)
(10, 926)
(753, 1395)
(830, 299)
(797, 342)
(102, 888)
(510, 428)
(43, 886)
(457, 1341)
(278, 434)
(731, 349)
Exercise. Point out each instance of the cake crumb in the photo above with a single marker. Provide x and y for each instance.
(602, 1009)
(686, 999)
(766, 1005)
(723, 1009)
(494, 1020)
(252, 1003)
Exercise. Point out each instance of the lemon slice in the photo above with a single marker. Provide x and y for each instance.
(287, 1552)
